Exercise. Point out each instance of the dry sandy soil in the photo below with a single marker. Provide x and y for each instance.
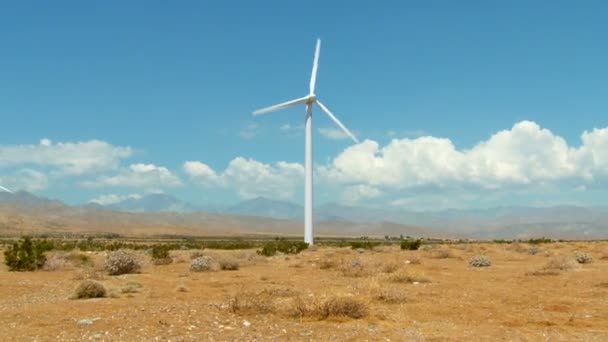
(426, 295)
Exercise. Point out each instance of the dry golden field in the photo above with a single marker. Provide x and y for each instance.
(322, 294)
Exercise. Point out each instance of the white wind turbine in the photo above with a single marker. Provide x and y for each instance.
(309, 100)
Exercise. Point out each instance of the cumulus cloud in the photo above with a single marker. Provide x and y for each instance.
(523, 155)
(250, 178)
(144, 176)
(113, 198)
(356, 193)
(25, 179)
(71, 158)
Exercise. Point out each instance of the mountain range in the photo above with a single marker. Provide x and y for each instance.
(163, 212)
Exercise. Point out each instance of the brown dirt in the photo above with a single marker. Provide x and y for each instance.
(459, 303)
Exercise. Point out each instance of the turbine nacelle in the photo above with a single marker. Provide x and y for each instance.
(311, 99)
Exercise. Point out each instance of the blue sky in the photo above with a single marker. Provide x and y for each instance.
(145, 87)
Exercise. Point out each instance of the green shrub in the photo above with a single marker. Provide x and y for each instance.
(160, 255)
(539, 241)
(410, 245)
(283, 246)
(27, 254)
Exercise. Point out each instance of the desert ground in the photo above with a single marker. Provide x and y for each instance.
(529, 293)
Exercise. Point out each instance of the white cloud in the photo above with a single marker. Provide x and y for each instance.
(355, 193)
(333, 133)
(250, 178)
(144, 176)
(68, 158)
(113, 198)
(250, 131)
(525, 154)
(25, 179)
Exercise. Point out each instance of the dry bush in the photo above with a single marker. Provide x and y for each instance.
(562, 263)
(413, 260)
(407, 278)
(354, 268)
(247, 302)
(518, 247)
(583, 258)
(57, 262)
(390, 267)
(554, 266)
(389, 295)
(480, 261)
(327, 264)
(131, 287)
(228, 264)
(203, 264)
(122, 262)
(196, 254)
(89, 273)
(89, 289)
(182, 288)
(442, 254)
(337, 306)
(279, 292)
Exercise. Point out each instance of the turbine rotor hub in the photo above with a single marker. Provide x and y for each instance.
(311, 99)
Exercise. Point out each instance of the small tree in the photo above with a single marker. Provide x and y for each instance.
(26, 255)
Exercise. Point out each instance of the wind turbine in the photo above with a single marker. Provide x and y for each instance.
(309, 100)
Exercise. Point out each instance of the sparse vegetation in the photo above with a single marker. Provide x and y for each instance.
(160, 255)
(583, 258)
(121, 262)
(555, 265)
(410, 245)
(90, 289)
(283, 246)
(27, 254)
(480, 261)
(203, 264)
(365, 244)
(228, 264)
(407, 278)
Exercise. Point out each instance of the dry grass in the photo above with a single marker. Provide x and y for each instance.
(442, 254)
(89, 289)
(390, 266)
(407, 278)
(228, 264)
(354, 268)
(131, 287)
(555, 265)
(332, 307)
(248, 302)
(388, 295)
(182, 288)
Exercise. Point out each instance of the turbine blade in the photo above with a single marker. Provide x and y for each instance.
(5, 189)
(281, 105)
(336, 121)
(315, 66)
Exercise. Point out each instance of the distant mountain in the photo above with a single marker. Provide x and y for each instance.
(265, 207)
(153, 203)
(24, 199)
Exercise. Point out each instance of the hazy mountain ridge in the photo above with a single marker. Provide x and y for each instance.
(161, 212)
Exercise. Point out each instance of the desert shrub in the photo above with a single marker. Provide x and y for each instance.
(533, 250)
(561, 264)
(80, 260)
(364, 244)
(539, 241)
(327, 264)
(121, 262)
(407, 278)
(89, 289)
(251, 302)
(196, 254)
(27, 254)
(480, 261)
(204, 263)
(343, 307)
(131, 287)
(330, 307)
(390, 267)
(229, 264)
(390, 295)
(160, 255)
(410, 245)
(283, 246)
(442, 254)
(354, 268)
(583, 258)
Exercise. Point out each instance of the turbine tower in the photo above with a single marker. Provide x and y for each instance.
(309, 100)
